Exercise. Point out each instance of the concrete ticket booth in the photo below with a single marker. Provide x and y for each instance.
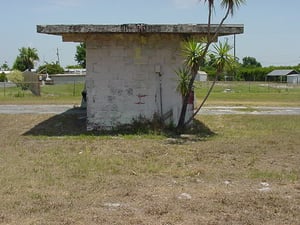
(131, 68)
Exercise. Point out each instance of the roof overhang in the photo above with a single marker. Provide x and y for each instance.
(80, 32)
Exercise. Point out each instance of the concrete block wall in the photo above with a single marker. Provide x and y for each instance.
(123, 82)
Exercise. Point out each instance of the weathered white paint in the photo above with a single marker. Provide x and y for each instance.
(123, 79)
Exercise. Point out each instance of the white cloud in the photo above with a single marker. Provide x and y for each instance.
(184, 4)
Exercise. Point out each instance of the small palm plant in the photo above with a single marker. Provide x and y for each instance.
(223, 56)
(223, 59)
(193, 54)
(184, 77)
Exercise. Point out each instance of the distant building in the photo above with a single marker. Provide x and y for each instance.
(5, 71)
(201, 76)
(75, 71)
(289, 76)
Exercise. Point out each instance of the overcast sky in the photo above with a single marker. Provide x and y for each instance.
(272, 30)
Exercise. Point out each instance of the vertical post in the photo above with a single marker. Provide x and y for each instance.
(234, 55)
(160, 96)
(158, 72)
(57, 53)
(74, 89)
(4, 87)
(234, 52)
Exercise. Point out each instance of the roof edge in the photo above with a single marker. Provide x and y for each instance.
(61, 29)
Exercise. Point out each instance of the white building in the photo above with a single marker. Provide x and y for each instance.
(293, 79)
(131, 68)
(288, 75)
(201, 76)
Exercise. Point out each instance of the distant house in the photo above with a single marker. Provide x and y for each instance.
(289, 76)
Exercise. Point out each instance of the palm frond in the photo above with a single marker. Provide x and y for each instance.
(184, 78)
(193, 53)
(231, 5)
(223, 56)
(211, 4)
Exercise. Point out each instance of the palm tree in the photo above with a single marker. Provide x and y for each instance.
(223, 59)
(29, 56)
(193, 54)
(229, 6)
(25, 60)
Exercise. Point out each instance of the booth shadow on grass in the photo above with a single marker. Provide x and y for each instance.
(73, 123)
(69, 123)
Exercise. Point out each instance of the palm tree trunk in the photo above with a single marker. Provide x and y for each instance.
(204, 100)
(181, 121)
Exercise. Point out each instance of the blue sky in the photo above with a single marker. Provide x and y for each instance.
(272, 30)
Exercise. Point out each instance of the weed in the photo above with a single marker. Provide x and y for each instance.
(291, 176)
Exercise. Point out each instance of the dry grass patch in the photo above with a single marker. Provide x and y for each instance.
(248, 173)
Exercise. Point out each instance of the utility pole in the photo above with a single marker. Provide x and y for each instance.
(234, 55)
(234, 52)
(57, 53)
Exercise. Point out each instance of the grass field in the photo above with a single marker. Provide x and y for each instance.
(224, 93)
(50, 94)
(244, 170)
(241, 169)
(250, 94)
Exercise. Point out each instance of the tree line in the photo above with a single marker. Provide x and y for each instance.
(247, 70)
(28, 56)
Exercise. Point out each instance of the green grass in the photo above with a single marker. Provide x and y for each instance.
(250, 93)
(291, 176)
(50, 94)
(224, 93)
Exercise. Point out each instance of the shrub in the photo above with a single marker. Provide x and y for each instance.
(52, 68)
(17, 77)
(3, 77)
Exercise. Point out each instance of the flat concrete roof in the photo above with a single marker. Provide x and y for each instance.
(68, 32)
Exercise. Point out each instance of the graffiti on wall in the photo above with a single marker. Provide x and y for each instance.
(141, 99)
